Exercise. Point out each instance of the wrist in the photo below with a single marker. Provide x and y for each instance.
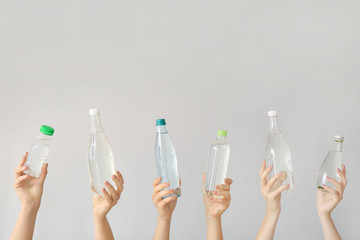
(164, 219)
(323, 215)
(212, 218)
(272, 212)
(30, 207)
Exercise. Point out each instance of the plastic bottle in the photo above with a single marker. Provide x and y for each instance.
(277, 154)
(217, 164)
(39, 152)
(100, 156)
(165, 158)
(332, 162)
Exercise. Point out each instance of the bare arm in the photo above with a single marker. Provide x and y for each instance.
(272, 196)
(29, 190)
(327, 200)
(103, 204)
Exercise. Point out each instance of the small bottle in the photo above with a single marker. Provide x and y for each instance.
(39, 152)
(217, 164)
(165, 158)
(277, 154)
(100, 156)
(332, 162)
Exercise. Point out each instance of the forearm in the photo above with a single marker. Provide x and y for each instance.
(24, 228)
(162, 231)
(328, 226)
(267, 228)
(214, 230)
(102, 229)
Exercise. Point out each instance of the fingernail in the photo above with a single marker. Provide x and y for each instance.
(172, 190)
(106, 182)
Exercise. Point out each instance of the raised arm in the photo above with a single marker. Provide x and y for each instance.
(271, 190)
(29, 191)
(103, 204)
(215, 207)
(327, 200)
(165, 208)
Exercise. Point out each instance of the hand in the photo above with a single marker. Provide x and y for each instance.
(165, 206)
(272, 194)
(329, 198)
(103, 204)
(29, 189)
(216, 206)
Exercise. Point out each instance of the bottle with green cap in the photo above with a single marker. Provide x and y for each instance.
(39, 152)
(217, 164)
(332, 162)
(277, 154)
(165, 158)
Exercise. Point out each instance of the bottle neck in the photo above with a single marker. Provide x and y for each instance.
(273, 125)
(220, 138)
(161, 129)
(44, 136)
(96, 123)
(337, 146)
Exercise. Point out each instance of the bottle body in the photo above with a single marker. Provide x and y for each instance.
(165, 160)
(100, 157)
(217, 165)
(277, 154)
(38, 155)
(331, 163)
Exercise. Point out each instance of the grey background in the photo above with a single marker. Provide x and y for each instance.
(203, 65)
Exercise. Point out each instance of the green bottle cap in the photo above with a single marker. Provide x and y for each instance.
(47, 130)
(222, 133)
(160, 122)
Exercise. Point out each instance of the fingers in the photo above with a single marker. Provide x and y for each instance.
(23, 160)
(263, 176)
(342, 174)
(272, 181)
(337, 185)
(161, 186)
(107, 196)
(158, 197)
(20, 181)
(180, 182)
(44, 172)
(329, 189)
(228, 181)
(224, 187)
(156, 181)
(20, 171)
(114, 194)
(167, 200)
(281, 189)
(221, 194)
(120, 176)
(118, 182)
(263, 167)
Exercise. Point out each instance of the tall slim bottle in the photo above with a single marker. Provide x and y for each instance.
(277, 154)
(217, 163)
(100, 156)
(165, 157)
(332, 162)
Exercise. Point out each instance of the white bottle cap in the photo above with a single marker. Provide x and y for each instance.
(339, 138)
(272, 113)
(94, 111)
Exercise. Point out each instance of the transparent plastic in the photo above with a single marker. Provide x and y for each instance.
(331, 163)
(277, 154)
(165, 159)
(216, 166)
(38, 155)
(100, 157)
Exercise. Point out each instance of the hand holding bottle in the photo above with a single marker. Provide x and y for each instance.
(103, 204)
(329, 198)
(29, 189)
(272, 195)
(165, 206)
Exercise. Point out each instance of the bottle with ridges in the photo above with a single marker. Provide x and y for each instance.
(100, 155)
(165, 158)
(332, 162)
(39, 152)
(277, 154)
(217, 164)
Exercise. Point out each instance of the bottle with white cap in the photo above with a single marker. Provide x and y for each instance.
(217, 164)
(100, 156)
(39, 153)
(277, 154)
(332, 162)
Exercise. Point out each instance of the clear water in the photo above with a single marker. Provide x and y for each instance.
(38, 155)
(166, 161)
(101, 161)
(278, 155)
(216, 167)
(332, 162)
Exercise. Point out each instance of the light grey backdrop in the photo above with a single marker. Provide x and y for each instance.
(202, 65)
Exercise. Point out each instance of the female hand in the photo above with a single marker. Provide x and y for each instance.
(329, 198)
(29, 189)
(272, 189)
(164, 206)
(103, 204)
(216, 205)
